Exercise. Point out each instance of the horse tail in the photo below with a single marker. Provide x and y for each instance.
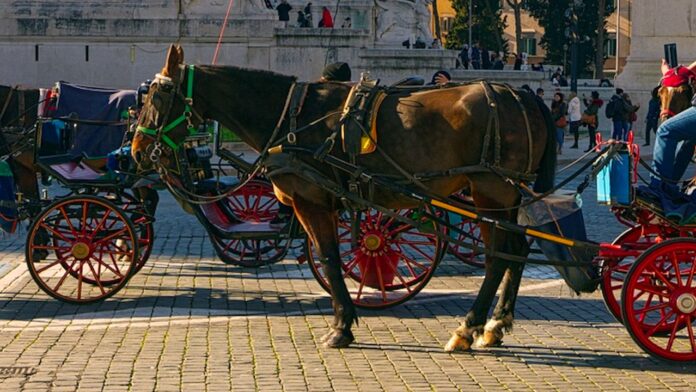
(546, 173)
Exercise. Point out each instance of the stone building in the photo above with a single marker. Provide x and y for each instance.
(121, 43)
(618, 39)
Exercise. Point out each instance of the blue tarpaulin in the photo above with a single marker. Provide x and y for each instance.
(98, 104)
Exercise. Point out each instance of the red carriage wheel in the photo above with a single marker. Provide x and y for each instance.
(254, 202)
(143, 224)
(92, 242)
(473, 236)
(250, 253)
(659, 300)
(391, 261)
(639, 238)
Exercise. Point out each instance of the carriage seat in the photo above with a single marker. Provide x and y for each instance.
(217, 185)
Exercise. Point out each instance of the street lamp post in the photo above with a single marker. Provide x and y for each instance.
(471, 33)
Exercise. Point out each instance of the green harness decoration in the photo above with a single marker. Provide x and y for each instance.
(184, 117)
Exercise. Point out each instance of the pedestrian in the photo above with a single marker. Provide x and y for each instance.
(574, 115)
(476, 56)
(419, 44)
(485, 58)
(308, 15)
(618, 111)
(436, 44)
(590, 117)
(540, 93)
(498, 63)
(347, 23)
(558, 113)
(464, 56)
(301, 20)
(653, 116)
(518, 62)
(632, 111)
(326, 19)
(284, 12)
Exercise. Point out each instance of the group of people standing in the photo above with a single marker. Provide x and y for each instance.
(571, 115)
(620, 110)
(478, 57)
(304, 16)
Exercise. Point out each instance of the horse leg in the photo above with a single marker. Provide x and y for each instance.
(321, 225)
(463, 337)
(503, 314)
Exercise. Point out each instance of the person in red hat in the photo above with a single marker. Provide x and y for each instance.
(677, 132)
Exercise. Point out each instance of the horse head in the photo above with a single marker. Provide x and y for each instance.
(676, 90)
(168, 115)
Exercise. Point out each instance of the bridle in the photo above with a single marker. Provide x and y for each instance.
(160, 134)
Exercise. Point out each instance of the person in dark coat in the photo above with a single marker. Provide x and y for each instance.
(592, 109)
(653, 116)
(336, 72)
(284, 12)
(485, 58)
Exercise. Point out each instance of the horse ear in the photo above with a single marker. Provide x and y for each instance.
(180, 51)
(173, 60)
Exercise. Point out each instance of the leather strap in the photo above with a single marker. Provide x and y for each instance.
(530, 145)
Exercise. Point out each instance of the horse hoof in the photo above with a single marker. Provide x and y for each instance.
(489, 339)
(337, 339)
(457, 342)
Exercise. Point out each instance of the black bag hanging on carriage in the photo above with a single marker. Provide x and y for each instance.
(559, 214)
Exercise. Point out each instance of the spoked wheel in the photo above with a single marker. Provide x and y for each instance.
(391, 261)
(638, 238)
(254, 202)
(660, 295)
(250, 252)
(92, 242)
(473, 236)
(143, 224)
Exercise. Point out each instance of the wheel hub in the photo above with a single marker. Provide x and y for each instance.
(686, 303)
(372, 242)
(80, 250)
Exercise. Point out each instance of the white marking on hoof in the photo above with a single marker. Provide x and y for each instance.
(457, 342)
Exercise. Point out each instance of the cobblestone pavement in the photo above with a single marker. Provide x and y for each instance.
(189, 322)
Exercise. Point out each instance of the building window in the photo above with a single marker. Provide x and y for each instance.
(529, 45)
(610, 46)
(446, 23)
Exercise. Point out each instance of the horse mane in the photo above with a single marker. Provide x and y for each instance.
(231, 71)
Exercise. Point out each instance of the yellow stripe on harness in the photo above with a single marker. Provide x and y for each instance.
(534, 233)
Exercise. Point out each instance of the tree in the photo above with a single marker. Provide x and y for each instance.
(550, 13)
(516, 6)
(488, 26)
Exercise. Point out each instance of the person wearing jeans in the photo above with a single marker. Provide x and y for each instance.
(574, 115)
(676, 137)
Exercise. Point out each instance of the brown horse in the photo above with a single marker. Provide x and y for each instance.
(19, 116)
(427, 131)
